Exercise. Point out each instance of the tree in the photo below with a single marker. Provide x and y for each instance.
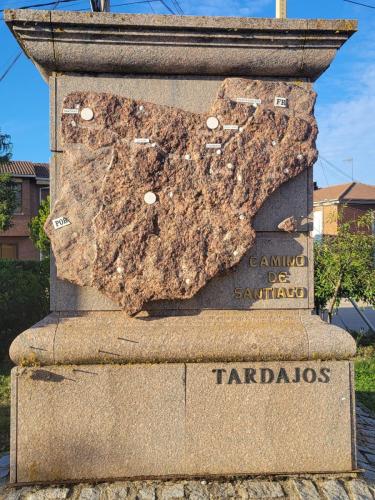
(8, 201)
(344, 264)
(36, 226)
(5, 147)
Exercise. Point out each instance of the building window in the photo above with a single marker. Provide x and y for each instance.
(318, 224)
(17, 187)
(8, 251)
(44, 192)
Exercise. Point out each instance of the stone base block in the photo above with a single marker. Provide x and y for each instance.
(87, 422)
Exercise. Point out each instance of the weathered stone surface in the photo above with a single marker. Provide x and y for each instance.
(117, 491)
(89, 493)
(333, 490)
(359, 490)
(171, 492)
(196, 490)
(304, 489)
(53, 493)
(146, 492)
(264, 489)
(200, 223)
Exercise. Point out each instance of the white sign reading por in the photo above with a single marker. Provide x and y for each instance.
(60, 222)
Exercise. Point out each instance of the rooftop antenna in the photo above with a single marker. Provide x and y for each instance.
(351, 162)
(281, 9)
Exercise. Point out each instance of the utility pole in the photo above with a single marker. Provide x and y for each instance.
(281, 9)
(100, 5)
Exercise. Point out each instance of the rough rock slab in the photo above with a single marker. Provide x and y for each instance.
(203, 199)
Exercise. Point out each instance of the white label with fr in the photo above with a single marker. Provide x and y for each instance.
(230, 127)
(281, 102)
(213, 146)
(60, 222)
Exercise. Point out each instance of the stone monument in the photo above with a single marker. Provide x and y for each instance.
(181, 341)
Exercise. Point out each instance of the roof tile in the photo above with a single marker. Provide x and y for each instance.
(355, 191)
(25, 168)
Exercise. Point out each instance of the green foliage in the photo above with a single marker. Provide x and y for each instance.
(24, 297)
(344, 264)
(365, 376)
(4, 412)
(5, 147)
(36, 226)
(8, 202)
(24, 300)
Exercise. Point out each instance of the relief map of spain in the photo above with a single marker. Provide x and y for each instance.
(155, 201)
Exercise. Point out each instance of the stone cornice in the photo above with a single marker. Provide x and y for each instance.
(60, 41)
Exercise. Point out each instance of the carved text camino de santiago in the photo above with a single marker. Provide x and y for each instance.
(282, 292)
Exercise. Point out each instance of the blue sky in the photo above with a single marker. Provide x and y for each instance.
(346, 92)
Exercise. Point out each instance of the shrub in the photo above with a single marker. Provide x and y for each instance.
(24, 297)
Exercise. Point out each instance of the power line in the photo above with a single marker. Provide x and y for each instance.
(167, 7)
(131, 3)
(177, 5)
(339, 170)
(41, 4)
(151, 7)
(362, 4)
(139, 2)
(10, 66)
(324, 171)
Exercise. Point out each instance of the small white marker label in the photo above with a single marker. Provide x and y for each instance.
(246, 100)
(230, 127)
(213, 146)
(141, 140)
(281, 102)
(70, 111)
(60, 222)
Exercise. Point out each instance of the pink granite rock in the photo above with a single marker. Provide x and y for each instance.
(288, 225)
(157, 220)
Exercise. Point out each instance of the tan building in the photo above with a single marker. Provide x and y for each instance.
(353, 198)
(32, 186)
